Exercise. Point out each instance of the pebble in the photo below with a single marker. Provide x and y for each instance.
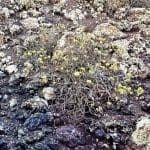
(2, 54)
(15, 29)
(48, 93)
(13, 102)
(20, 132)
(100, 133)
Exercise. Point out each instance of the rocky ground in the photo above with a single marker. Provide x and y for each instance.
(74, 74)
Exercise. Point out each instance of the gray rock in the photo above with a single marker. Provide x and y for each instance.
(25, 3)
(35, 103)
(30, 23)
(141, 135)
(146, 32)
(6, 12)
(48, 93)
(140, 3)
(13, 102)
(2, 54)
(99, 5)
(14, 29)
(127, 26)
(1, 38)
(20, 132)
(11, 69)
(34, 136)
(109, 31)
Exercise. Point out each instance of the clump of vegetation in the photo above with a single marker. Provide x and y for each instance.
(41, 52)
(112, 5)
(87, 79)
(26, 3)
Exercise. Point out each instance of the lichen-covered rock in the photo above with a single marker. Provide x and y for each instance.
(11, 69)
(145, 32)
(1, 38)
(141, 135)
(25, 3)
(99, 5)
(15, 29)
(108, 31)
(113, 5)
(30, 23)
(59, 5)
(75, 15)
(140, 3)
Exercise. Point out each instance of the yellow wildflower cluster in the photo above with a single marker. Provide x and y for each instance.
(122, 89)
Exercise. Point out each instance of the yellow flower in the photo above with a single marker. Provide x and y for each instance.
(112, 78)
(140, 91)
(121, 89)
(75, 59)
(99, 109)
(82, 69)
(129, 89)
(114, 67)
(107, 64)
(109, 103)
(58, 54)
(128, 76)
(44, 79)
(89, 82)
(77, 74)
(28, 54)
(40, 61)
(91, 70)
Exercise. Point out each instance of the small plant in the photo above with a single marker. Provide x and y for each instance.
(26, 3)
(139, 91)
(83, 71)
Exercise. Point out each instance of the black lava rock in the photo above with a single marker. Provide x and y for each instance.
(145, 107)
(3, 145)
(35, 120)
(68, 134)
(53, 144)
(100, 133)
(41, 146)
